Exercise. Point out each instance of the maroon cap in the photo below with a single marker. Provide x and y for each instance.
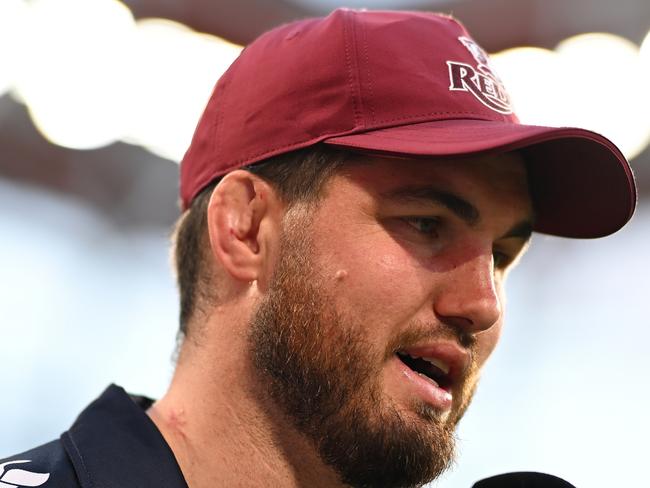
(401, 83)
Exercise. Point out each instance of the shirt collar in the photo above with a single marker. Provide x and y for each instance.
(114, 444)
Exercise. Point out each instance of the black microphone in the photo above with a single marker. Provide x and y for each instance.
(523, 480)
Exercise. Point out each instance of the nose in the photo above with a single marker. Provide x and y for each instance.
(468, 298)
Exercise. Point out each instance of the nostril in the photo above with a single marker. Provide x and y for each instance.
(468, 314)
(469, 296)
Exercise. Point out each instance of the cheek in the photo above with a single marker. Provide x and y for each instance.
(374, 279)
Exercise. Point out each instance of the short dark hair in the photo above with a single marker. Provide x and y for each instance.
(297, 176)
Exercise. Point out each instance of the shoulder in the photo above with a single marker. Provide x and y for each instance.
(48, 463)
(112, 444)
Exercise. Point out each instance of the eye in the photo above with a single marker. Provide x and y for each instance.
(501, 260)
(424, 225)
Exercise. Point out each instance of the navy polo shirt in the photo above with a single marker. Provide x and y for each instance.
(112, 444)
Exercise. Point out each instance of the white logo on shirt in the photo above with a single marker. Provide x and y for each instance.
(18, 478)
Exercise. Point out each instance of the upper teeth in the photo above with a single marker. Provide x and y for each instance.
(438, 363)
(444, 367)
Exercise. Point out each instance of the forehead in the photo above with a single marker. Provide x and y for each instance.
(501, 177)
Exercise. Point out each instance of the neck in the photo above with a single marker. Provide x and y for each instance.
(224, 432)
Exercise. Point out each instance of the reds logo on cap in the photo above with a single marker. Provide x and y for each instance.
(481, 81)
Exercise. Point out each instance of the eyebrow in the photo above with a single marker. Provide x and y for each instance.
(522, 230)
(456, 204)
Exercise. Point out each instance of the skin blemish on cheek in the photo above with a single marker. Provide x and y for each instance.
(340, 275)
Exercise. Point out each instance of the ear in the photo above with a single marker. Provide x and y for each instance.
(244, 225)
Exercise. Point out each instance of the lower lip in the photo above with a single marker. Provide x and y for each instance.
(432, 394)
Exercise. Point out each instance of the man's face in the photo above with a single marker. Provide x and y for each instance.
(385, 304)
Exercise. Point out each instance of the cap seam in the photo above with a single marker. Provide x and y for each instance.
(347, 39)
(366, 58)
(219, 119)
(427, 114)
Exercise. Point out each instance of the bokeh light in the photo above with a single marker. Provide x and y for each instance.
(644, 56)
(531, 76)
(76, 69)
(177, 69)
(594, 81)
(90, 75)
(604, 89)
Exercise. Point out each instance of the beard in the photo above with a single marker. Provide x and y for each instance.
(317, 366)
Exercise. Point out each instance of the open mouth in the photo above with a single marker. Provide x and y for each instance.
(432, 369)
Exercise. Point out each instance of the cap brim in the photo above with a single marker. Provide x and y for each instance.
(581, 184)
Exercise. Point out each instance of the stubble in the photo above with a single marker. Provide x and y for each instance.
(320, 371)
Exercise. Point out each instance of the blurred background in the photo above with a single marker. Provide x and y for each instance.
(98, 101)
